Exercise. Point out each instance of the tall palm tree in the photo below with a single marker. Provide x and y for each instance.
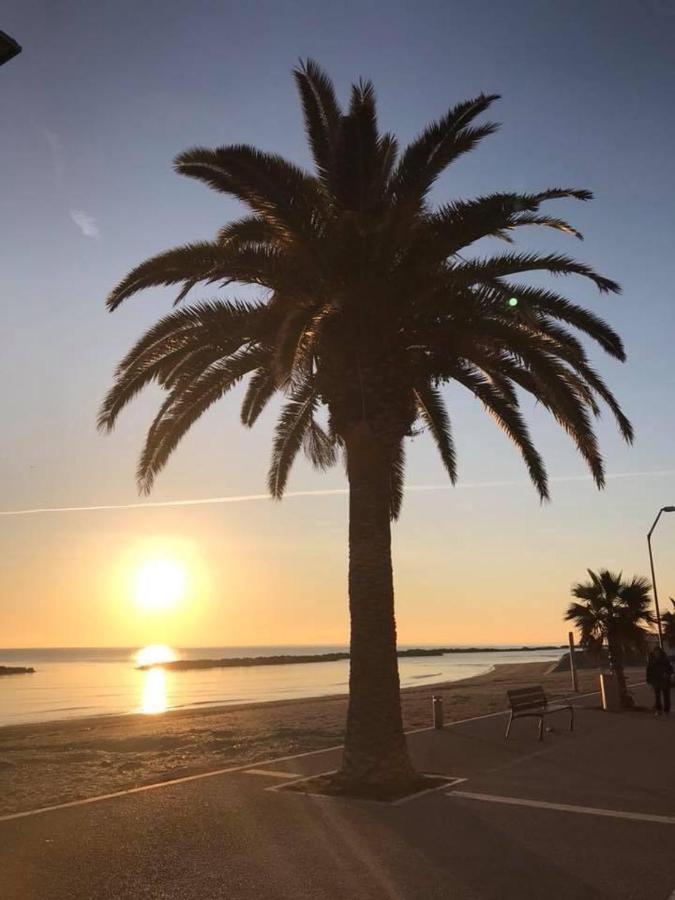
(615, 611)
(367, 308)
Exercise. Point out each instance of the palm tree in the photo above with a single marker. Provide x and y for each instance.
(668, 625)
(615, 611)
(367, 308)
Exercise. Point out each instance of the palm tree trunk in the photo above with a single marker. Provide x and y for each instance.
(375, 754)
(615, 650)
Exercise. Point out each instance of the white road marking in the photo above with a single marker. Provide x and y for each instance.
(448, 781)
(564, 807)
(266, 762)
(271, 773)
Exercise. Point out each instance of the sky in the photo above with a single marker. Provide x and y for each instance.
(102, 98)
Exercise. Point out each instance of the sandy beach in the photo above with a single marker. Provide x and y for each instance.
(55, 762)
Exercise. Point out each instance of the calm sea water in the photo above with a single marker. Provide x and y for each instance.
(71, 683)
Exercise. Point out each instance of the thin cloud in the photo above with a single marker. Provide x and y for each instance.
(329, 492)
(86, 223)
(57, 155)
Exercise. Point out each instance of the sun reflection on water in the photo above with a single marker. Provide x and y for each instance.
(155, 694)
(154, 698)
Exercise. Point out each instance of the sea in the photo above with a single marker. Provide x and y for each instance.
(80, 682)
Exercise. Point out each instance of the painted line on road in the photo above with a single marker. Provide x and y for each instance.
(240, 768)
(448, 781)
(451, 781)
(564, 807)
(272, 774)
(279, 787)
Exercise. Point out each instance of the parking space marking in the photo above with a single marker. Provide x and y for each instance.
(564, 807)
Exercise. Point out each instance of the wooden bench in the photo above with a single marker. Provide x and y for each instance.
(532, 701)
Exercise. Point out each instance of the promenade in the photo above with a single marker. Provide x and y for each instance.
(589, 814)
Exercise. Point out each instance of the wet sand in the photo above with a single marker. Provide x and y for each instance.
(55, 762)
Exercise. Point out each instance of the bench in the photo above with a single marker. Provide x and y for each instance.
(532, 701)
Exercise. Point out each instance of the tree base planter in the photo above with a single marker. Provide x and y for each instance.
(331, 784)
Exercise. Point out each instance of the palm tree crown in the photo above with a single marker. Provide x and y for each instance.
(368, 305)
(611, 604)
(668, 623)
(615, 611)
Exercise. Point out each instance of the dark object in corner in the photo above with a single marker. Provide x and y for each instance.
(17, 670)
(8, 48)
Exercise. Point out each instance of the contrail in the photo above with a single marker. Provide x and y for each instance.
(328, 492)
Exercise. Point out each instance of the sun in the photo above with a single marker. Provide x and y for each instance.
(160, 583)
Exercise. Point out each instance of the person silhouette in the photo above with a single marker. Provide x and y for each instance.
(659, 673)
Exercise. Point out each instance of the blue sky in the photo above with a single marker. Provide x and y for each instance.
(102, 98)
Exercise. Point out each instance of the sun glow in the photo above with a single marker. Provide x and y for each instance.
(160, 584)
(155, 655)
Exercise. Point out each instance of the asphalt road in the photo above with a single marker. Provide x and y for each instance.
(229, 836)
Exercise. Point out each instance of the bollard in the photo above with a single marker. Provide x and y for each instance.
(573, 664)
(437, 704)
(609, 692)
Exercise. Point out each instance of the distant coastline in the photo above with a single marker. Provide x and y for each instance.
(286, 659)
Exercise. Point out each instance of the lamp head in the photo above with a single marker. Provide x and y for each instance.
(669, 509)
(8, 48)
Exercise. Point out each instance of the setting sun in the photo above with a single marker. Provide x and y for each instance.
(160, 583)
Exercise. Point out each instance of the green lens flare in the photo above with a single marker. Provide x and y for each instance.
(513, 301)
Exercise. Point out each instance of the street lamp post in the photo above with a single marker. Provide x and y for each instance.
(651, 563)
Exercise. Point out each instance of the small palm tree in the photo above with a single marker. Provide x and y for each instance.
(668, 626)
(615, 611)
(367, 308)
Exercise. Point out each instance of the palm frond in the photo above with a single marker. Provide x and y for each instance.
(191, 263)
(260, 390)
(205, 262)
(509, 419)
(355, 173)
(396, 481)
(293, 423)
(320, 448)
(459, 224)
(549, 302)
(485, 271)
(184, 405)
(435, 416)
(202, 333)
(322, 114)
(267, 183)
(440, 143)
(248, 230)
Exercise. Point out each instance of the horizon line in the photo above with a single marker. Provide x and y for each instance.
(320, 492)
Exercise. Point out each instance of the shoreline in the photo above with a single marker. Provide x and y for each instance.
(287, 659)
(131, 706)
(53, 762)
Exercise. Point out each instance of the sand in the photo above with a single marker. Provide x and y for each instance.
(55, 762)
